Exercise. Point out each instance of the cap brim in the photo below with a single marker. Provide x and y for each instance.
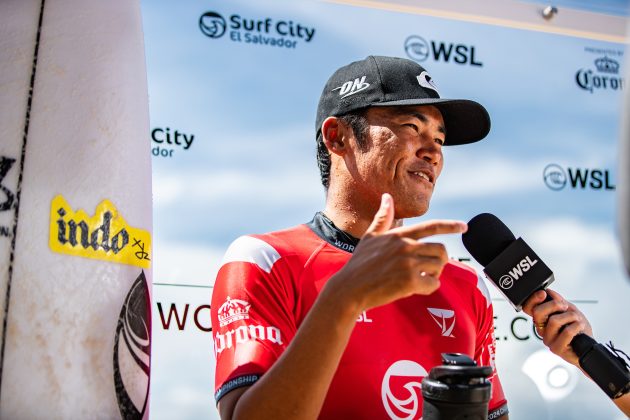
(466, 121)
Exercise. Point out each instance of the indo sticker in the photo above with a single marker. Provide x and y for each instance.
(105, 236)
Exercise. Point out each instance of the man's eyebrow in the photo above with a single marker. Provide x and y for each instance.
(419, 116)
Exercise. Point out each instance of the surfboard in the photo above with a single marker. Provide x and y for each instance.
(623, 190)
(75, 210)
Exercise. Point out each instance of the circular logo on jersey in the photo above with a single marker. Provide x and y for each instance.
(401, 390)
(417, 48)
(506, 282)
(212, 24)
(555, 177)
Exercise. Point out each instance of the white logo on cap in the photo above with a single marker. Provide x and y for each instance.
(352, 86)
(425, 80)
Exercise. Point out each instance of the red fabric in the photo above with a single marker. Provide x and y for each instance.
(391, 348)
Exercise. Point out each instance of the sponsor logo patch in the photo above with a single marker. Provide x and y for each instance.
(426, 81)
(246, 333)
(352, 86)
(401, 390)
(105, 236)
(445, 319)
(233, 310)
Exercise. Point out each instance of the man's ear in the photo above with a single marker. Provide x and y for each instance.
(333, 135)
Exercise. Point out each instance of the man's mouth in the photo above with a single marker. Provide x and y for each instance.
(422, 175)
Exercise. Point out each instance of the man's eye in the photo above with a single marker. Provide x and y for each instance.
(413, 126)
(439, 141)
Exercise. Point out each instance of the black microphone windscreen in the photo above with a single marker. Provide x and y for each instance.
(486, 237)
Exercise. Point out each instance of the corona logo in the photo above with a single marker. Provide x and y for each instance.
(607, 65)
(233, 310)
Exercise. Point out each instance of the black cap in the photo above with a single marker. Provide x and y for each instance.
(393, 81)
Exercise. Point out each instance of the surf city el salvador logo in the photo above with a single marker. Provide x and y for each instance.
(104, 236)
(261, 31)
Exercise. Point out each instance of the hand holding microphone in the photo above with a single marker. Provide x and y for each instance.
(557, 322)
(522, 276)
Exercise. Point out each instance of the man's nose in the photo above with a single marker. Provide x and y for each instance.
(429, 150)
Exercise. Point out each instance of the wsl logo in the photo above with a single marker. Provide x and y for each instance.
(507, 281)
(556, 178)
(605, 76)
(418, 49)
(267, 31)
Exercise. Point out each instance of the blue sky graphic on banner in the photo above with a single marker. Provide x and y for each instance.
(233, 90)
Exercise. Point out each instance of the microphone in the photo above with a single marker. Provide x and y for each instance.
(508, 262)
(518, 272)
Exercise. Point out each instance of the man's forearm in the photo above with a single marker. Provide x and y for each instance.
(623, 403)
(296, 385)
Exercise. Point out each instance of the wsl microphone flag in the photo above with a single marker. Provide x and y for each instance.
(509, 263)
(518, 272)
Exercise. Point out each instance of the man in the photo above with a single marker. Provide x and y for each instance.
(311, 321)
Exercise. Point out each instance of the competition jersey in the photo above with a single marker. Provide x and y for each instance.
(267, 284)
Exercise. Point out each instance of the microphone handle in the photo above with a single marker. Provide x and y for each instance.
(581, 343)
(608, 370)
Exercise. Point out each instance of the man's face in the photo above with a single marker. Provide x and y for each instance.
(403, 157)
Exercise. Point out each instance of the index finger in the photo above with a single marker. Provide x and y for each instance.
(430, 228)
(535, 299)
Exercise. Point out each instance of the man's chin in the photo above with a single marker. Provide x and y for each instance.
(407, 212)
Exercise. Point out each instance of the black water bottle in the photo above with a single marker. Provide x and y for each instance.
(459, 389)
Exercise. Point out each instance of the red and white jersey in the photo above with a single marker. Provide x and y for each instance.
(268, 283)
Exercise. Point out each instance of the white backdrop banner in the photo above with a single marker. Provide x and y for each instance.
(233, 92)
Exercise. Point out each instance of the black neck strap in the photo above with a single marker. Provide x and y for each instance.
(326, 229)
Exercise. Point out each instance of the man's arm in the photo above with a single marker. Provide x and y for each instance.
(558, 321)
(623, 403)
(388, 264)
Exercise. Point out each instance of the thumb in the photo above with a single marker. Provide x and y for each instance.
(384, 217)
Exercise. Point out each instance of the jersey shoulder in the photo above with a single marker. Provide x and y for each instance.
(264, 250)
